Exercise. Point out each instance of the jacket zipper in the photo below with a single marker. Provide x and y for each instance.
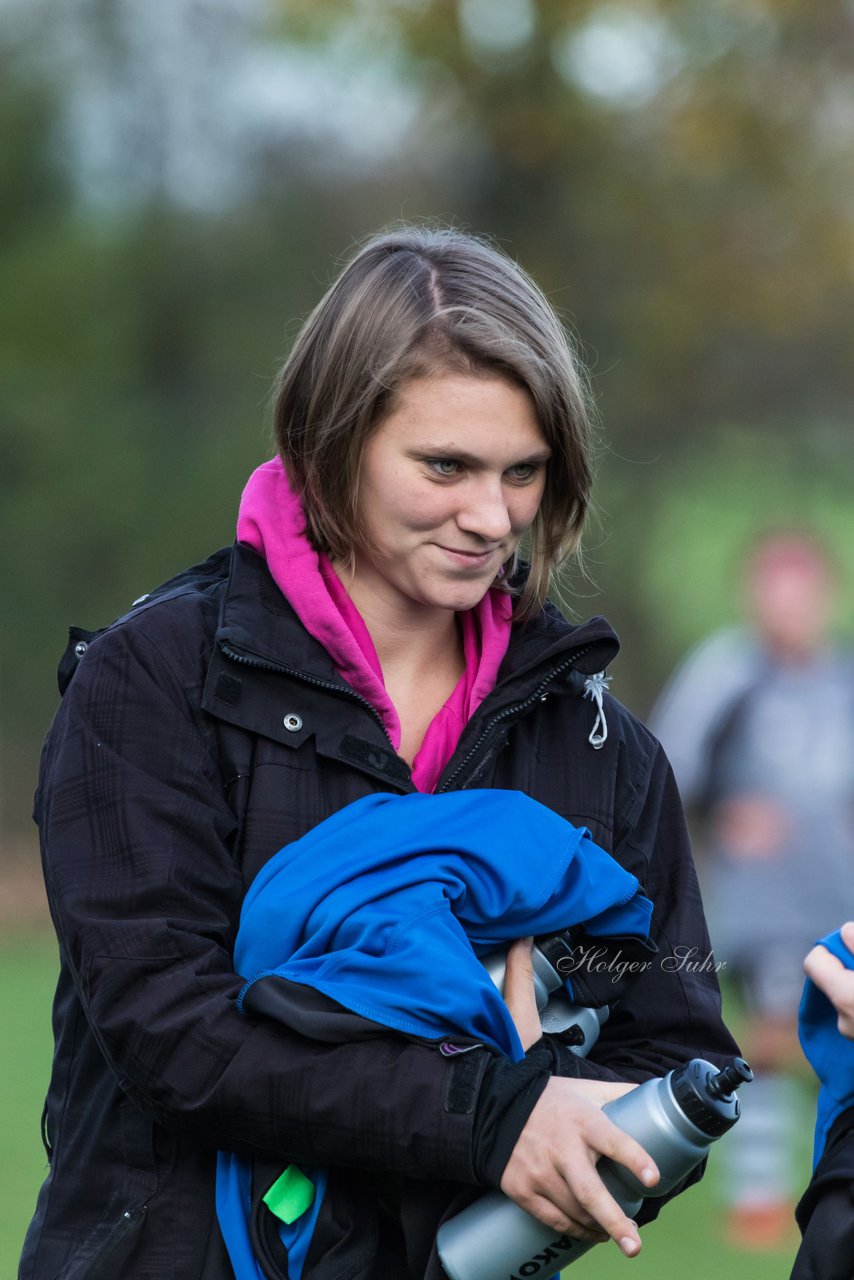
(264, 664)
(511, 711)
(111, 1254)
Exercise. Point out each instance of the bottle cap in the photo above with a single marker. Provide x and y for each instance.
(707, 1096)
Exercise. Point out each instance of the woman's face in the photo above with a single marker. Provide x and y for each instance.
(449, 482)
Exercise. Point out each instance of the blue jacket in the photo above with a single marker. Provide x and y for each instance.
(829, 1053)
(384, 908)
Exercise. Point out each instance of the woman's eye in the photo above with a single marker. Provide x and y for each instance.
(524, 471)
(443, 466)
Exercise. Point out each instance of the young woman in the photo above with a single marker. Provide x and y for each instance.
(372, 630)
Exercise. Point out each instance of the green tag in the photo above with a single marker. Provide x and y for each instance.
(290, 1195)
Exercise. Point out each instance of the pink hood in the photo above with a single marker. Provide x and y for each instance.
(271, 522)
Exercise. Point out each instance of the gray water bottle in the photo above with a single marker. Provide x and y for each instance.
(675, 1119)
(577, 1024)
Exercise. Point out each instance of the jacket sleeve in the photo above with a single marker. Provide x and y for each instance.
(137, 840)
(672, 1012)
(825, 1213)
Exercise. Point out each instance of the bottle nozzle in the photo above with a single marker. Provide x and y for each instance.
(730, 1078)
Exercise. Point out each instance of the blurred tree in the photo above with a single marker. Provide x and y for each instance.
(136, 360)
(677, 173)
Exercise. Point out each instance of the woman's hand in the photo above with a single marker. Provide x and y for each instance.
(835, 980)
(552, 1173)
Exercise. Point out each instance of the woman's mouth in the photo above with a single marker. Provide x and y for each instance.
(471, 559)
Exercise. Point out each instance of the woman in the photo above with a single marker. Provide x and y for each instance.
(370, 632)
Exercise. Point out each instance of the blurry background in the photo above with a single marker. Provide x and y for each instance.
(179, 180)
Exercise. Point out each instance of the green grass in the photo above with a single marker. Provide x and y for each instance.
(28, 968)
(685, 1244)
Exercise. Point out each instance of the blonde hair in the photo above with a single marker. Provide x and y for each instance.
(410, 302)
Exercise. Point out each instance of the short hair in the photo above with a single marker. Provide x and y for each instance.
(789, 547)
(411, 302)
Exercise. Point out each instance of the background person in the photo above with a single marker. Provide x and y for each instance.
(759, 725)
(370, 631)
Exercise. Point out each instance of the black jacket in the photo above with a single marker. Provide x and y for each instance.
(825, 1212)
(201, 733)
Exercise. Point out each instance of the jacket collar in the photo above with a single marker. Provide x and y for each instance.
(257, 621)
(258, 627)
(548, 639)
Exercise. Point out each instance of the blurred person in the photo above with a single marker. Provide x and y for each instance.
(372, 633)
(825, 1212)
(759, 724)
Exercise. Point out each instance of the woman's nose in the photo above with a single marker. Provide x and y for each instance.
(485, 512)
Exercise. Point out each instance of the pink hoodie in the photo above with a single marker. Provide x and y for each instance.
(271, 522)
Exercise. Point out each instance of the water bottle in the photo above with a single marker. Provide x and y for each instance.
(675, 1119)
(577, 1024)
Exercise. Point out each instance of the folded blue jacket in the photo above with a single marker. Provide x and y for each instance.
(830, 1054)
(384, 908)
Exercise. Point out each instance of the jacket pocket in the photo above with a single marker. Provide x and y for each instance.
(115, 1249)
(110, 1247)
(270, 1251)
